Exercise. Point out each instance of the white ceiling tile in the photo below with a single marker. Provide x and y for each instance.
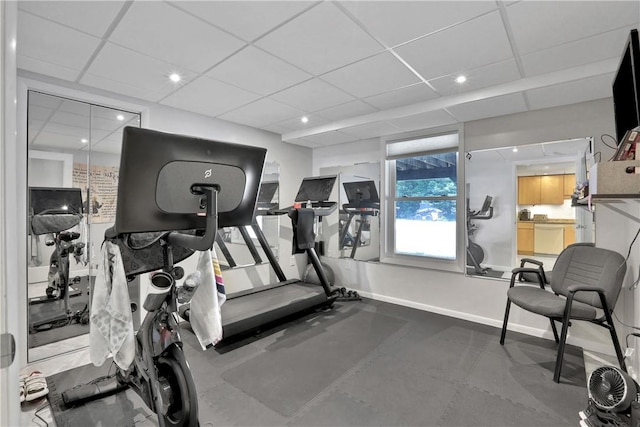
(136, 91)
(209, 97)
(46, 68)
(574, 54)
(478, 78)
(331, 138)
(372, 130)
(320, 40)
(39, 113)
(48, 138)
(415, 18)
(142, 77)
(76, 120)
(296, 122)
(570, 93)
(346, 110)
(75, 107)
(246, 19)
(159, 30)
(312, 95)
(426, 120)
(541, 25)
(43, 100)
(53, 43)
(371, 76)
(257, 71)
(491, 107)
(404, 96)
(93, 17)
(476, 43)
(263, 112)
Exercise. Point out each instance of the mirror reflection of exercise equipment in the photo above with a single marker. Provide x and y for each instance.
(475, 253)
(364, 202)
(265, 206)
(54, 212)
(314, 193)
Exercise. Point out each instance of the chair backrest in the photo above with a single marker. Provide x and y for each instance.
(588, 265)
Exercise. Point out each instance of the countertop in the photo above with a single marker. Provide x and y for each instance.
(550, 221)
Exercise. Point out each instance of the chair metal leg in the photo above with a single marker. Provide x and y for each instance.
(563, 337)
(555, 331)
(506, 319)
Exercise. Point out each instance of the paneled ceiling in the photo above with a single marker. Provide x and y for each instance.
(355, 69)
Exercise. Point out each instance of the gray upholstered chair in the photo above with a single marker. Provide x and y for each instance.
(584, 279)
(525, 274)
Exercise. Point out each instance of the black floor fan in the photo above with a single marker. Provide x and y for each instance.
(613, 399)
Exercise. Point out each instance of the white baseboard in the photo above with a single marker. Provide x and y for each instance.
(528, 330)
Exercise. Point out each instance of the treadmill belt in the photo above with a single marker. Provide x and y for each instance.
(254, 310)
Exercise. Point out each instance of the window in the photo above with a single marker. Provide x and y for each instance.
(422, 176)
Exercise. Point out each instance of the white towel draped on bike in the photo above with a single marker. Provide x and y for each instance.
(111, 326)
(204, 314)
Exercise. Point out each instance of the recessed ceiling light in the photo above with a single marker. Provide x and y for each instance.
(304, 119)
(515, 149)
(175, 77)
(120, 117)
(84, 140)
(461, 79)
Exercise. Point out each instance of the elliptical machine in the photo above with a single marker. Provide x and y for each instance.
(475, 253)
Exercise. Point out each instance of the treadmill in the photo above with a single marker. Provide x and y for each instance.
(258, 308)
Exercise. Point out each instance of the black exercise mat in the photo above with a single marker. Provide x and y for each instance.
(290, 374)
(123, 409)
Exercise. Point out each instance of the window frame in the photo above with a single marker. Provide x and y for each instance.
(387, 241)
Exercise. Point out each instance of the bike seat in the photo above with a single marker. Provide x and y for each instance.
(68, 236)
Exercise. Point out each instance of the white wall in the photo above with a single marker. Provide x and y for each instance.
(494, 236)
(483, 299)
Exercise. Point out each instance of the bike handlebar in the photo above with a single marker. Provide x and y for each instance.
(200, 243)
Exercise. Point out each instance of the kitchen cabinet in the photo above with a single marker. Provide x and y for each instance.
(544, 189)
(525, 238)
(551, 189)
(528, 190)
(569, 185)
(569, 235)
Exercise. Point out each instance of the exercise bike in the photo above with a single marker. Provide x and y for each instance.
(475, 253)
(190, 186)
(159, 373)
(58, 222)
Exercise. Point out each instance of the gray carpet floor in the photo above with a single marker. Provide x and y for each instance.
(376, 364)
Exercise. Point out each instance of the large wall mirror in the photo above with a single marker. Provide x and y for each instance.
(519, 205)
(239, 246)
(354, 232)
(74, 156)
